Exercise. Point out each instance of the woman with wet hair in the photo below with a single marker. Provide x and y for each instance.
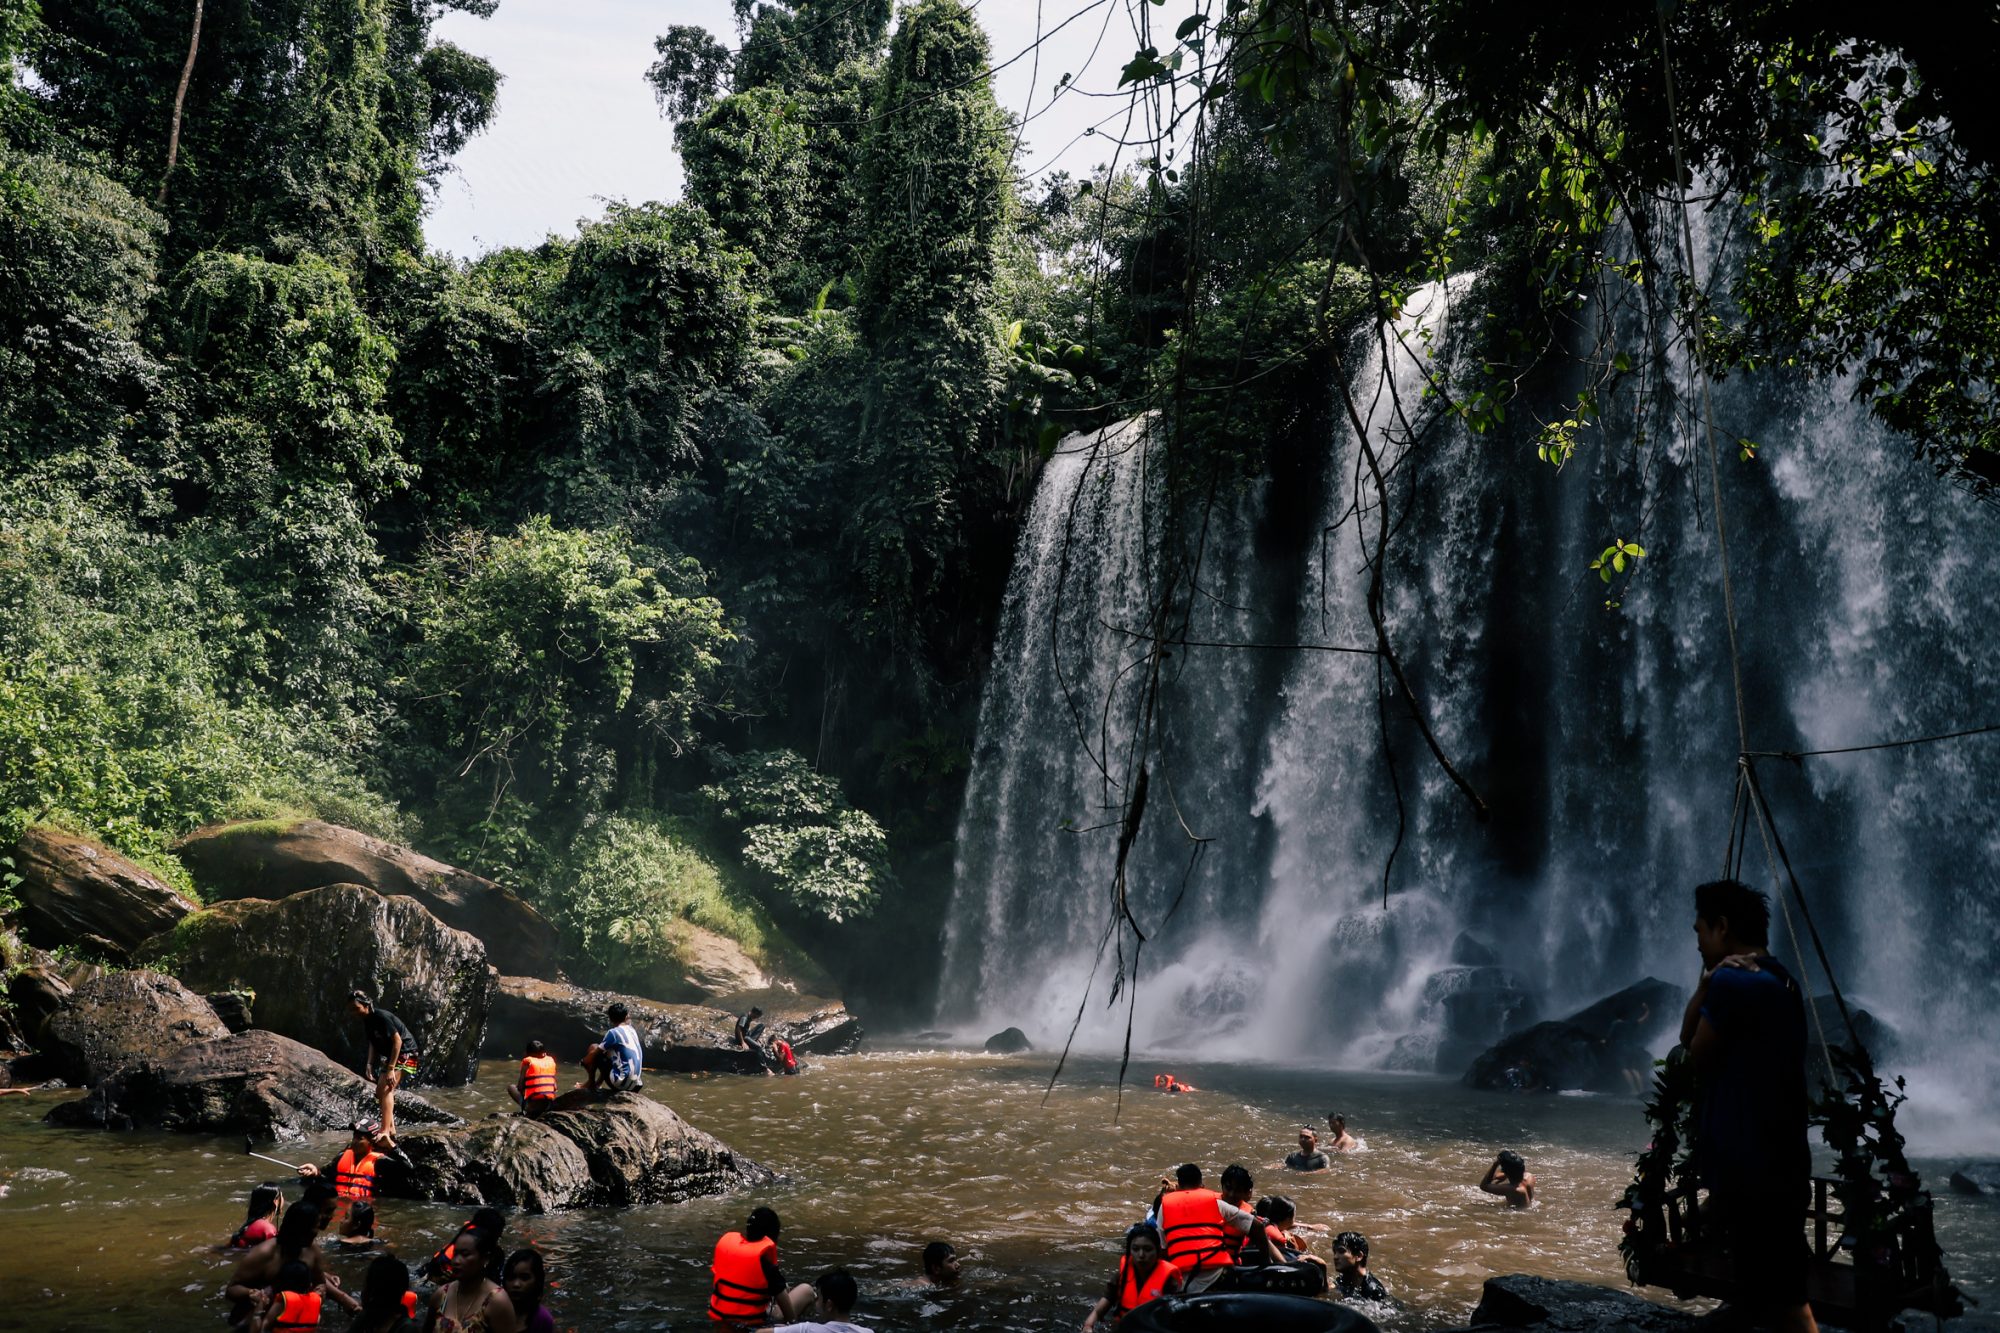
(527, 1280)
(260, 1221)
(473, 1302)
(1142, 1276)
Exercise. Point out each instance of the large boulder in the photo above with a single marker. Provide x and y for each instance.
(74, 891)
(1595, 1049)
(678, 1038)
(1008, 1041)
(304, 954)
(589, 1150)
(36, 992)
(125, 1018)
(1977, 1178)
(269, 858)
(508, 1161)
(254, 1083)
(1521, 1301)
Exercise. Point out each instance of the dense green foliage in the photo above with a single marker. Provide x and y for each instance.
(654, 568)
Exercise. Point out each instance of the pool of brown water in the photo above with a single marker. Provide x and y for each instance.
(884, 1151)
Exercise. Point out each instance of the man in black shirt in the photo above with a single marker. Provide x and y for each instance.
(1308, 1157)
(392, 1043)
(1351, 1280)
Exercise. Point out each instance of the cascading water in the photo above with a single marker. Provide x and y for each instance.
(1604, 737)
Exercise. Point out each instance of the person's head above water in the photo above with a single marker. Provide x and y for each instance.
(1277, 1210)
(360, 1219)
(618, 1013)
(1142, 1243)
(941, 1263)
(265, 1200)
(472, 1253)
(1187, 1176)
(301, 1224)
(382, 1289)
(1350, 1250)
(526, 1279)
(362, 1135)
(837, 1292)
(1336, 1122)
(1308, 1140)
(1729, 917)
(1513, 1166)
(763, 1224)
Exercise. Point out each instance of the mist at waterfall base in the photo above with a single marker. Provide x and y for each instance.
(1603, 736)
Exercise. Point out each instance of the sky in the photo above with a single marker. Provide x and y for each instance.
(577, 126)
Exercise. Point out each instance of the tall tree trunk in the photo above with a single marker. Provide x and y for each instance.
(180, 98)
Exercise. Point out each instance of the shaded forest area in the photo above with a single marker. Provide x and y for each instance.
(653, 570)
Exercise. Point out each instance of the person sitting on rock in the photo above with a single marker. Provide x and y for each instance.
(260, 1222)
(829, 1298)
(747, 1026)
(614, 1062)
(1352, 1280)
(1338, 1139)
(534, 1090)
(745, 1280)
(353, 1172)
(940, 1263)
(1308, 1157)
(398, 1051)
(1510, 1178)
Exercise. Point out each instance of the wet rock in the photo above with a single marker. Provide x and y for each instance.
(1469, 952)
(303, 954)
(1521, 1301)
(36, 992)
(1590, 1050)
(234, 1008)
(1010, 1042)
(125, 1018)
(1882, 1041)
(77, 892)
(1477, 1006)
(274, 859)
(590, 1150)
(255, 1083)
(508, 1161)
(678, 1038)
(1977, 1178)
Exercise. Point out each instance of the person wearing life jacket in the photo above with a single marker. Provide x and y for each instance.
(1203, 1230)
(296, 1242)
(353, 1172)
(1142, 1276)
(294, 1304)
(745, 1280)
(534, 1091)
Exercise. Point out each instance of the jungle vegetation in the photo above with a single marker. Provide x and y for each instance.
(653, 570)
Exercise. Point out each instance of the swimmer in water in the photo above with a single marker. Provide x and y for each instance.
(527, 1280)
(1338, 1139)
(1308, 1157)
(940, 1264)
(1510, 1178)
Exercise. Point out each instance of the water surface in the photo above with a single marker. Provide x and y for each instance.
(887, 1150)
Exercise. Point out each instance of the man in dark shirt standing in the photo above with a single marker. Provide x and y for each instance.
(1745, 1030)
(392, 1043)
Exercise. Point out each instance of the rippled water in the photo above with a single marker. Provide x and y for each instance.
(883, 1152)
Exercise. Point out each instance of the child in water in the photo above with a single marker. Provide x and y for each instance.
(526, 1281)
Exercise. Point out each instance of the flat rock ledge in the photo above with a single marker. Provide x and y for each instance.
(1549, 1305)
(589, 1151)
(679, 1038)
(254, 1083)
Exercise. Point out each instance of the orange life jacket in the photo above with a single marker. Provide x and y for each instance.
(538, 1077)
(297, 1309)
(1191, 1226)
(1132, 1293)
(354, 1179)
(410, 1304)
(740, 1292)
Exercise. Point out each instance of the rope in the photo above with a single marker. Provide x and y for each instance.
(1796, 755)
(1747, 783)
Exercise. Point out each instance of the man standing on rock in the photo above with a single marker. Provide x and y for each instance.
(1745, 1030)
(398, 1051)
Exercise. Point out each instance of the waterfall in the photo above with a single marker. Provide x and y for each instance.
(1603, 736)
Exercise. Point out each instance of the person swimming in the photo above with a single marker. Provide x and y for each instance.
(1510, 1178)
(260, 1221)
